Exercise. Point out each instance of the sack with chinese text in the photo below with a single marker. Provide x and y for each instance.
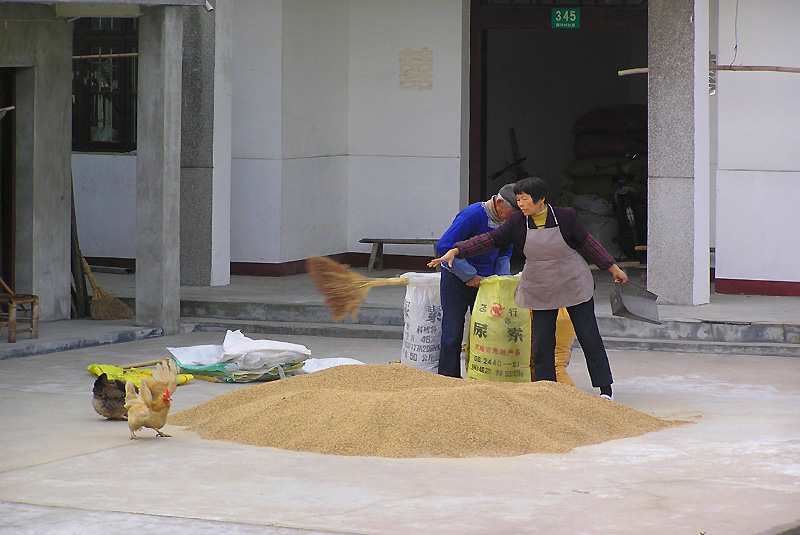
(422, 328)
(499, 344)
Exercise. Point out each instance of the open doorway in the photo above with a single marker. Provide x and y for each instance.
(7, 194)
(546, 100)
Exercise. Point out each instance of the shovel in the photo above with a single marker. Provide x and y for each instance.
(633, 302)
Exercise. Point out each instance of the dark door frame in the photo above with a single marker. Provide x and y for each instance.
(7, 178)
(483, 18)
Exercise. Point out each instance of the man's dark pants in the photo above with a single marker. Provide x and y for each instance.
(456, 298)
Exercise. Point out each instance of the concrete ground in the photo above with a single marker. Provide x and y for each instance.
(734, 471)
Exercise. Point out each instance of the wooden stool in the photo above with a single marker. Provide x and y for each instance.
(26, 303)
(376, 257)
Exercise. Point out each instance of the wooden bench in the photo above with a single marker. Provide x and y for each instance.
(376, 256)
(8, 318)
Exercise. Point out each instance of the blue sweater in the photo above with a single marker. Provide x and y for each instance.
(473, 221)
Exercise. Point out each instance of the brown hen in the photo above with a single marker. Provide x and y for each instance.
(108, 398)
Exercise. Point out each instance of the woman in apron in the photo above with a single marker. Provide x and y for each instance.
(554, 276)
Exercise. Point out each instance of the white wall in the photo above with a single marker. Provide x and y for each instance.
(405, 145)
(314, 128)
(105, 204)
(255, 209)
(326, 148)
(289, 183)
(758, 176)
(314, 89)
(223, 100)
(256, 164)
(713, 47)
(701, 290)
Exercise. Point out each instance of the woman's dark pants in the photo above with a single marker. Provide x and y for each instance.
(544, 343)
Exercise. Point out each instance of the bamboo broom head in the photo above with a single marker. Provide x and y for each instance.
(107, 307)
(344, 289)
(104, 305)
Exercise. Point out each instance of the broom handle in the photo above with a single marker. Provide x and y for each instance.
(142, 364)
(88, 272)
(391, 281)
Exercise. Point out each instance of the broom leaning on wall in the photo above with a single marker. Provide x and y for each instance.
(104, 305)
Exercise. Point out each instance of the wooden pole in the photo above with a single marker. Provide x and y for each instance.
(626, 72)
(144, 364)
(760, 68)
(102, 56)
(748, 68)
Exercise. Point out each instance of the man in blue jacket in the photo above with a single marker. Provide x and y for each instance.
(459, 284)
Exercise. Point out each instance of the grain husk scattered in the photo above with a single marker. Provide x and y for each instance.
(393, 410)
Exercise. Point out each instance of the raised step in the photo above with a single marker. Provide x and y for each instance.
(287, 312)
(304, 315)
(342, 330)
(334, 330)
(50, 343)
(694, 346)
(702, 331)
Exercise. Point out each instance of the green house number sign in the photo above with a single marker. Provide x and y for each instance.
(568, 18)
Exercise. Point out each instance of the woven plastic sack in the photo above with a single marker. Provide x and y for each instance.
(241, 359)
(597, 216)
(598, 166)
(624, 120)
(422, 322)
(499, 346)
(258, 355)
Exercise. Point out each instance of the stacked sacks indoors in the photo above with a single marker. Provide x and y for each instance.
(611, 149)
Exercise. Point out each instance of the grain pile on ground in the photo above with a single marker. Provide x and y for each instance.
(394, 410)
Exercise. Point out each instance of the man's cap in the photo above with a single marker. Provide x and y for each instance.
(507, 193)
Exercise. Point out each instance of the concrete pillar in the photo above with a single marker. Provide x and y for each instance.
(158, 168)
(206, 146)
(678, 152)
(39, 49)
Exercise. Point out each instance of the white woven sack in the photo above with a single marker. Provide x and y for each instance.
(597, 215)
(422, 328)
(260, 355)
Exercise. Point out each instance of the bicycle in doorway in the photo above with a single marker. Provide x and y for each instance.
(623, 202)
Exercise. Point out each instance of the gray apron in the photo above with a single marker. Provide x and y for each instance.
(555, 275)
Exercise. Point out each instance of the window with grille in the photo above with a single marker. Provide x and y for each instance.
(104, 84)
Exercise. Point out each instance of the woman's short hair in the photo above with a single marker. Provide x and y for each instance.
(533, 186)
